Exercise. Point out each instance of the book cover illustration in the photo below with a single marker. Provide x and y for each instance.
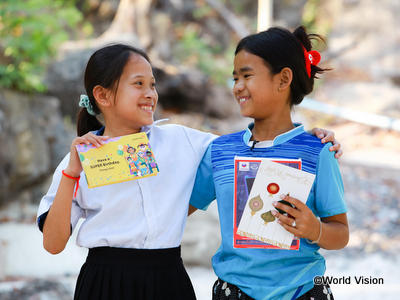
(272, 179)
(119, 159)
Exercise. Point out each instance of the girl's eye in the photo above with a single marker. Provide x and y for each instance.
(234, 79)
(153, 85)
(139, 82)
(246, 75)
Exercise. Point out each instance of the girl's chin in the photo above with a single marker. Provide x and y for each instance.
(245, 114)
(148, 121)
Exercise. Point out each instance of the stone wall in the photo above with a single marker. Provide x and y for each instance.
(33, 140)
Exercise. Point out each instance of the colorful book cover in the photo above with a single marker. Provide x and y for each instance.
(119, 159)
(272, 179)
(245, 172)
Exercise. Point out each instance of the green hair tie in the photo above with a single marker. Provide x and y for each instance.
(85, 102)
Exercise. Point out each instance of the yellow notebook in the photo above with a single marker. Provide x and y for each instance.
(120, 159)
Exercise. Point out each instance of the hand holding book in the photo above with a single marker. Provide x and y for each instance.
(301, 222)
(119, 159)
(259, 219)
(74, 167)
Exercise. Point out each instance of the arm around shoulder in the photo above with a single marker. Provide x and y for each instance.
(203, 192)
(199, 140)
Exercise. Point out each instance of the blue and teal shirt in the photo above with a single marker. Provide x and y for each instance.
(268, 273)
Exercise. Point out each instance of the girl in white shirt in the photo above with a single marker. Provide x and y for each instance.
(133, 229)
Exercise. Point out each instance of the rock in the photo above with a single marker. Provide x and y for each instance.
(64, 79)
(220, 103)
(182, 91)
(37, 289)
(201, 238)
(33, 140)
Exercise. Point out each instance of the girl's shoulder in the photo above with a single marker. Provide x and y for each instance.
(231, 137)
(168, 130)
(180, 130)
(308, 139)
(166, 127)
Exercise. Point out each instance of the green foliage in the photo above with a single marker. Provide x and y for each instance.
(202, 11)
(314, 18)
(208, 57)
(310, 13)
(30, 31)
(240, 7)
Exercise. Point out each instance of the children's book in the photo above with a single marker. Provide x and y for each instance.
(259, 182)
(120, 159)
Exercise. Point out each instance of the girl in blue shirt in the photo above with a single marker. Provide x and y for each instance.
(273, 71)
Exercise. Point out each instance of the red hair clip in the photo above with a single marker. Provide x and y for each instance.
(311, 58)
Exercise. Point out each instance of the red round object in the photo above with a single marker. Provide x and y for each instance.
(273, 188)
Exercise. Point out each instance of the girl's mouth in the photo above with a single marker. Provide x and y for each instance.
(243, 99)
(147, 108)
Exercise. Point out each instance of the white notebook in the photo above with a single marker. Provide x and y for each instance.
(272, 180)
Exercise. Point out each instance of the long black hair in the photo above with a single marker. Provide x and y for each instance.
(104, 68)
(280, 48)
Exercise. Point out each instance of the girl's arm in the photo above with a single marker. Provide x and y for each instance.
(57, 226)
(331, 234)
(335, 232)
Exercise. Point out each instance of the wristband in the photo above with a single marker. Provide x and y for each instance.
(73, 178)
(319, 236)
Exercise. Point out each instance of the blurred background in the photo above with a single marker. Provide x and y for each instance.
(44, 47)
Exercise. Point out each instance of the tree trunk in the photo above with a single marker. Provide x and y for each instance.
(131, 22)
(124, 20)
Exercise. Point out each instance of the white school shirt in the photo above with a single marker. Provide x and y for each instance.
(146, 213)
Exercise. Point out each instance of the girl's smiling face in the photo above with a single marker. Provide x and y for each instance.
(256, 88)
(136, 96)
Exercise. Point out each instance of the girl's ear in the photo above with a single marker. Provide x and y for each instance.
(102, 96)
(286, 77)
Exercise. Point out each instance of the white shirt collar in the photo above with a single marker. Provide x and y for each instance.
(279, 139)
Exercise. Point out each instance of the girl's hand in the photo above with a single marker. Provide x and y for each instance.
(74, 167)
(301, 222)
(328, 136)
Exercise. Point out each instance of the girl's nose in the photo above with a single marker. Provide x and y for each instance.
(238, 87)
(151, 93)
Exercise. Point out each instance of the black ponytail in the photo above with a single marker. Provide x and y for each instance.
(279, 48)
(104, 68)
(86, 122)
(305, 39)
